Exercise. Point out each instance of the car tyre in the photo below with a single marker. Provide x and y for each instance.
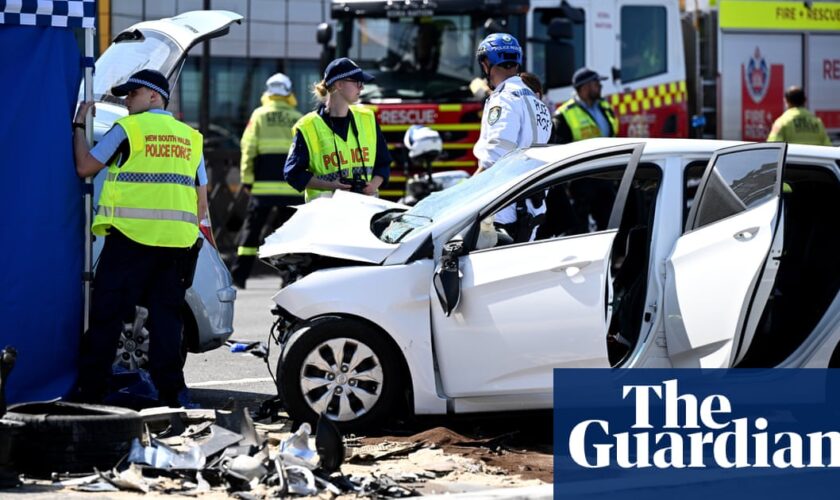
(72, 437)
(343, 368)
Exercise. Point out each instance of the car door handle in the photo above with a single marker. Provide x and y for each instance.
(746, 234)
(571, 268)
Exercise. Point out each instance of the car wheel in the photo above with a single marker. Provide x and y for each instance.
(343, 369)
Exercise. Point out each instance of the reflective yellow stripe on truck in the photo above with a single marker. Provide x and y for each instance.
(647, 98)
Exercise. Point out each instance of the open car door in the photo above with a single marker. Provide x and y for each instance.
(722, 268)
(508, 315)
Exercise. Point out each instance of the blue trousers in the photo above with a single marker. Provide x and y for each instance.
(130, 274)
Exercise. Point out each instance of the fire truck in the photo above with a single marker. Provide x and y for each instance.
(674, 70)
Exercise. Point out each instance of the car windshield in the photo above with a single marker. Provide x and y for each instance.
(413, 57)
(438, 204)
(131, 52)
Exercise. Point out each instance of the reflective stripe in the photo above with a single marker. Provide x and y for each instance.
(273, 187)
(365, 172)
(653, 97)
(434, 126)
(148, 213)
(182, 180)
(246, 251)
(534, 136)
(503, 143)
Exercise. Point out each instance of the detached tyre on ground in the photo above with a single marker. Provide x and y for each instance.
(72, 437)
(344, 369)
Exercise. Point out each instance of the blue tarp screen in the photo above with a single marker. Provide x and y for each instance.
(41, 236)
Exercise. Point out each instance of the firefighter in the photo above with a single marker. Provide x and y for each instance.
(265, 146)
(586, 114)
(149, 209)
(797, 124)
(513, 117)
(339, 146)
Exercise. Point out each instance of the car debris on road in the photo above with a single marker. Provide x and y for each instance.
(192, 452)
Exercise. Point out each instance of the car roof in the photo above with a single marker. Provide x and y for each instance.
(553, 153)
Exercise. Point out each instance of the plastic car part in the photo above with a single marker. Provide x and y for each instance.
(329, 444)
(133, 346)
(160, 456)
(298, 445)
(73, 437)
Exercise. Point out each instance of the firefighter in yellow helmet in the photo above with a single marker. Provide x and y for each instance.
(797, 124)
(148, 212)
(265, 145)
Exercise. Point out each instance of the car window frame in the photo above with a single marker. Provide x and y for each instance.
(701, 189)
(686, 209)
(566, 169)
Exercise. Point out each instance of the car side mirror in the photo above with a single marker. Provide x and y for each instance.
(560, 29)
(447, 279)
(324, 33)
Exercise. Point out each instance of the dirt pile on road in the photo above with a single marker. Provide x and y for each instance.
(501, 452)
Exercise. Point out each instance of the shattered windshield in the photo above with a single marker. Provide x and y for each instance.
(430, 57)
(130, 53)
(438, 204)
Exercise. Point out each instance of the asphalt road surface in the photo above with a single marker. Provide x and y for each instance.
(218, 375)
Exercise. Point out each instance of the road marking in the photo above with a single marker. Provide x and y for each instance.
(231, 382)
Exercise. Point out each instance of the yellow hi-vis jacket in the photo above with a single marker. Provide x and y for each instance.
(265, 144)
(152, 197)
(581, 123)
(330, 157)
(799, 126)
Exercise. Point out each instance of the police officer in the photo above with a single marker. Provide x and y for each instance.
(514, 117)
(265, 146)
(339, 146)
(797, 124)
(586, 114)
(149, 209)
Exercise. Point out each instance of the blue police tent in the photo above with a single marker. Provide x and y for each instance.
(41, 237)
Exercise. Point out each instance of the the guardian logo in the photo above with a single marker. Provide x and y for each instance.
(695, 433)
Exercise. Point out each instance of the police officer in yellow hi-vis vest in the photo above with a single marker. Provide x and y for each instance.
(265, 146)
(148, 212)
(586, 114)
(797, 124)
(339, 145)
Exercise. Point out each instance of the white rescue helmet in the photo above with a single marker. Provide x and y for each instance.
(278, 84)
(420, 141)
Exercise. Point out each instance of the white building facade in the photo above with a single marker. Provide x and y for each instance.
(275, 35)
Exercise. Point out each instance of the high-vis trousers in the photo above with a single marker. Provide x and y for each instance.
(251, 235)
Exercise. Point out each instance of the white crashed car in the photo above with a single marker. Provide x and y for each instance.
(653, 253)
(163, 45)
